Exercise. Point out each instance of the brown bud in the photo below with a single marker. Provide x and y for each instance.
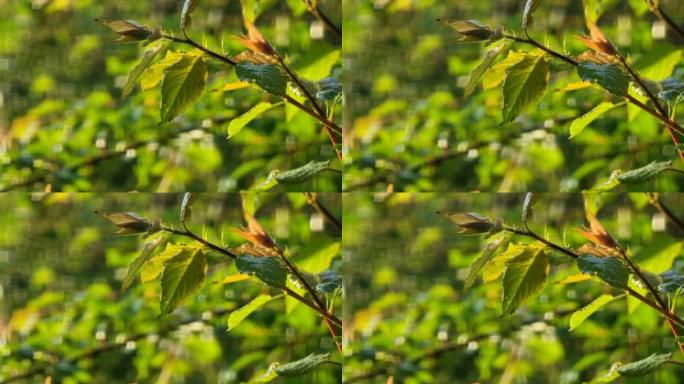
(255, 41)
(130, 223)
(130, 30)
(471, 31)
(598, 41)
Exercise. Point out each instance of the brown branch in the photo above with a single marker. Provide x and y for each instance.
(312, 199)
(655, 200)
(323, 18)
(665, 18)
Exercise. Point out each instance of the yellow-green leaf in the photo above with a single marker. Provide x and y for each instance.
(182, 84)
(183, 275)
(581, 122)
(524, 276)
(238, 315)
(582, 314)
(524, 84)
(236, 125)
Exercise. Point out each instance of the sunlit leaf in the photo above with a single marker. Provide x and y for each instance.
(148, 249)
(581, 122)
(578, 317)
(524, 276)
(183, 275)
(484, 257)
(182, 84)
(487, 61)
(236, 125)
(141, 66)
(236, 317)
(524, 84)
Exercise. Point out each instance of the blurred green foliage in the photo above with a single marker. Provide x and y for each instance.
(405, 271)
(61, 104)
(62, 272)
(410, 126)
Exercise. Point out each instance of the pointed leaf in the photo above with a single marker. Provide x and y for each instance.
(153, 75)
(302, 366)
(524, 84)
(582, 314)
(303, 173)
(524, 276)
(267, 76)
(154, 265)
(188, 7)
(270, 270)
(531, 199)
(236, 125)
(188, 199)
(609, 76)
(237, 316)
(581, 122)
(496, 74)
(182, 85)
(148, 249)
(644, 173)
(642, 367)
(609, 269)
(183, 275)
(489, 58)
(141, 66)
(486, 255)
(530, 7)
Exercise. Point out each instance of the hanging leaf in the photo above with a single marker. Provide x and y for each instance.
(141, 66)
(236, 317)
(524, 85)
(153, 75)
(182, 84)
(583, 121)
(524, 276)
(302, 366)
(303, 173)
(487, 61)
(644, 173)
(236, 124)
(469, 223)
(188, 7)
(609, 269)
(530, 7)
(188, 199)
(496, 266)
(642, 367)
(496, 74)
(582, 314)
(267, 76)
(183, 275)
(531, 199)
(270, 270)
(154, 265)
(485, 256)
(148, 249)
(609, 76)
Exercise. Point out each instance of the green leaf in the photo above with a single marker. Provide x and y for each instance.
(644, 173)
(182, 84)
(270, 270)
(582, 314)
(267, 76)
(236, 125)
(328, 89)
(671, 90)
(530, 7)
(496, 74)
(188, 199)
(329, 282)
(188, 7)
(237, 316)
(154, 266)
(524, 84)
(148, 249)
(141, 66)
(303, 173)
(609, 269)
(531, 199)
(524, 276)
(642, 367)
(581, 122)
(302, 366)
(662, 261)
(487, 61)
(609, 76)
(154, 74)
(183, 275)
(485, 256)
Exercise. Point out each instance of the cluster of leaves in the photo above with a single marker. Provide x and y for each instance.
(209, 321)
(538, 125)
(61, 141)
(564, 318)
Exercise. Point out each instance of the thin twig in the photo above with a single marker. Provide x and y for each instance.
(312, 199)
(323, 18)
(665, 18)
(655, 200)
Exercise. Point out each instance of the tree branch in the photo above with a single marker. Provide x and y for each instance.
(312, 199)
(660, 14)
(655, 201)
(323, 18)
